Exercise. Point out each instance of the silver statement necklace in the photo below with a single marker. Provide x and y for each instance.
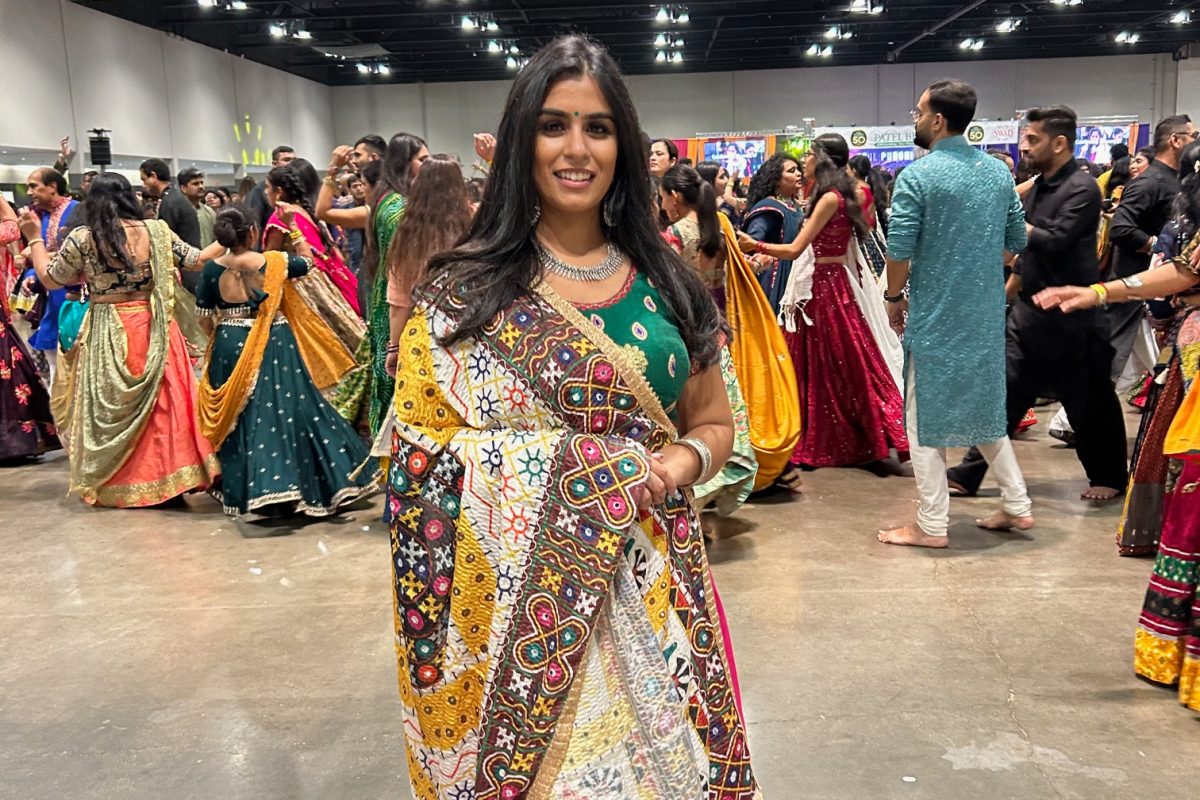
(601, 272)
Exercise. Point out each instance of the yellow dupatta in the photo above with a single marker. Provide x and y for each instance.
(764, 368)
(1183, 437)
(326, 358)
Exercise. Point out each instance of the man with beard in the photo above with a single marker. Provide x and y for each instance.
(1051, 354)
(955, 213)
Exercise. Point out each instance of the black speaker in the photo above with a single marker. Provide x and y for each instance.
(101, 148)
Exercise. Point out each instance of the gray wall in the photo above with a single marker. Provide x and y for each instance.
(680, 105)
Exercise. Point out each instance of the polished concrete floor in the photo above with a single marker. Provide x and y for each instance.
(159, 654)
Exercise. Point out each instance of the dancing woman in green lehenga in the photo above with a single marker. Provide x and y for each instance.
(364, 394)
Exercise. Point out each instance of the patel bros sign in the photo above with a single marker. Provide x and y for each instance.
(892, 145)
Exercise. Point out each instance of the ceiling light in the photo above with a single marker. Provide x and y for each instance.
(663, 15)
(512, 48)
(1181, 17)
(970, 43)
(677, 43)
(239, 5)
(277, 31)
(1125, 37)
(813, 50)
(660, 41)
(468, 24)
(684, 17)
(1008, 25)
(302, 34)
(384, 69)
(511, 62)
(491, 26)
(677, 58)
(363, 68)
(206, 3)
(660, 57)
(493, 46)
(978, 45)
(1067, 2)
(866, 7)
(838, 32)
(832, 33)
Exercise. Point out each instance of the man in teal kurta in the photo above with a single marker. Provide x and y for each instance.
(954, 214)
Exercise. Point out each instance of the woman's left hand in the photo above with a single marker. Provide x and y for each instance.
(30, 224)
(746, 243)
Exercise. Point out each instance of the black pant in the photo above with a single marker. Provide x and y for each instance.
(1050, 354)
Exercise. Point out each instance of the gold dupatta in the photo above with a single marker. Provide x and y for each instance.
(764, 368)
(323, 353)
(112, 405)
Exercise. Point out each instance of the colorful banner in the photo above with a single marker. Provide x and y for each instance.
(741, 156)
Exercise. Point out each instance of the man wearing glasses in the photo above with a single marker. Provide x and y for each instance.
(1144, 210)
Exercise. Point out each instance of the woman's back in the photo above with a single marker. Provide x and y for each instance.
(834, 238)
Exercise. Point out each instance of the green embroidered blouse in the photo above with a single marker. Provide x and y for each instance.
(636, 319)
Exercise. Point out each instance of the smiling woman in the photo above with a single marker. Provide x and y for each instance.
(550, 365)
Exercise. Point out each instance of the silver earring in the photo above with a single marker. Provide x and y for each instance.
(607, 211)
(537, 213)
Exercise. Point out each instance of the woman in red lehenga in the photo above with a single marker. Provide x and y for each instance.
(852, 408)
(26, 425)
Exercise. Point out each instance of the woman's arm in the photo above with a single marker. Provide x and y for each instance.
(704, 414)
(287, 215)
(817, 220)
(398, 317)
(274, 240)
(1161, 280)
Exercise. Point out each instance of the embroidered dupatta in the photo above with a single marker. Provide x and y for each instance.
(323, 353)
(552, 639)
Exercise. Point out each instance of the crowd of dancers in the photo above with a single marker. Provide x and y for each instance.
(553, 374)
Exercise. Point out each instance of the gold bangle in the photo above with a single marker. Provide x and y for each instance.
(1101, 290)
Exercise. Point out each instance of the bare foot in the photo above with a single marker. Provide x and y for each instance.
(1101, 493)
(1003, 521)
(912, 536)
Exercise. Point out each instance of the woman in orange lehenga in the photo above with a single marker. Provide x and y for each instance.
(132, 417)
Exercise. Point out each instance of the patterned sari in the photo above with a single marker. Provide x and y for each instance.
(131, 413)
(363, 396)
(1167, 640)
(331, 289)
(553, 641)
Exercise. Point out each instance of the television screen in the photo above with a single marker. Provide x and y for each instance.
(740, 157)
(1092, 141)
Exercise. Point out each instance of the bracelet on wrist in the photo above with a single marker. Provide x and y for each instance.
(760, 247)
(702, 451)
(38, 240)
(1101, 290)
(893, 298)
(393, 348)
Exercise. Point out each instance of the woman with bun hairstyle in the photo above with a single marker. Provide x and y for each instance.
(283, 447)
(332, 288)
(131, 416)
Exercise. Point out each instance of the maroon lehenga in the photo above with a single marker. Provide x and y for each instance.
(853, 411)
(26, 425)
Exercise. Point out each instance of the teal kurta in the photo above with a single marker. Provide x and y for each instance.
(954, 213)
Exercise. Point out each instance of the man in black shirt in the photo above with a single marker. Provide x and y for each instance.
(1051, 354)
(1144, 209)
(173, 209)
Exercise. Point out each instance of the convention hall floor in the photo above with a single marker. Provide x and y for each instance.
(158, 654)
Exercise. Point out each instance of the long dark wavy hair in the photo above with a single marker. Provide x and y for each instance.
(495, 263)
(861, 165)
(395, 175)
(700, 195)
(297, 186)
(832, 155)
(766, 180)
(437, 216)
(1187, 202)
(110, 200)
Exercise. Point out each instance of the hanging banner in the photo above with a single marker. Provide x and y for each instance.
(892, 146)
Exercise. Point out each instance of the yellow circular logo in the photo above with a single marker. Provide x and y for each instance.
(975, 134)
(858, 138)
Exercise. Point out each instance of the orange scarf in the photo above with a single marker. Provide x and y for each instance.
(323, 353)
(764, 368)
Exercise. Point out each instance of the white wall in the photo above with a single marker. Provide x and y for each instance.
(680, 105)
(160, 95)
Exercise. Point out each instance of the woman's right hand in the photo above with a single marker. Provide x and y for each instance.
(1067, 298)
(659, 485)
(286, 211)
(390, 364)
(341, 157)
